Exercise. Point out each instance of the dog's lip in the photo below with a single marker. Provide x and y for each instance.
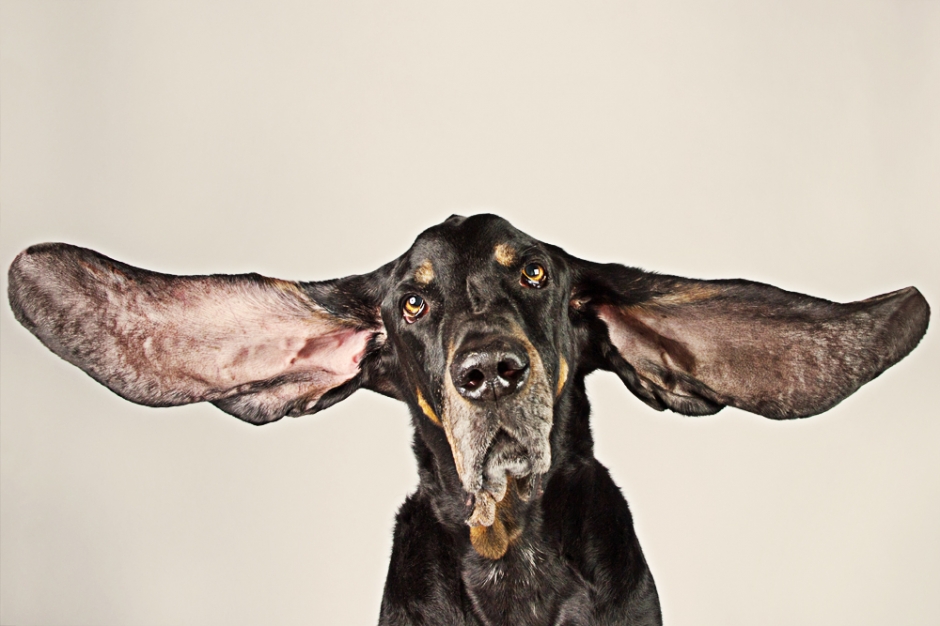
(505, 457)
(482, 504)
(496, 475)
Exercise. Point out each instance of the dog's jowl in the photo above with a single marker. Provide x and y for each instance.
(487, 335)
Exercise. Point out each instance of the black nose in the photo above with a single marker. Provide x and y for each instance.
(493, 370)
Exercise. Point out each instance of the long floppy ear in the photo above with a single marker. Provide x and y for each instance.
(694, 346)
(256, 347)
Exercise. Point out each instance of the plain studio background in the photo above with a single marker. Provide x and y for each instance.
(792, 143)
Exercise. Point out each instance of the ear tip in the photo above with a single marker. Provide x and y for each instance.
(30, 264)
(39, 276)
(25, 271)
(910, 318)
(45, 250)
(916, 306)
(36, 257)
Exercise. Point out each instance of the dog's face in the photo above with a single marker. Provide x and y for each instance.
(482, 329)
(477, 316)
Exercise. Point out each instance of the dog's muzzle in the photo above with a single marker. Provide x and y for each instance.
(498, 417)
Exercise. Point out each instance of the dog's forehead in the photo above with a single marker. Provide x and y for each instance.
(459, 243)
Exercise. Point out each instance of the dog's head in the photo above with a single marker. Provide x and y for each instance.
(476, 315)
(481, 329)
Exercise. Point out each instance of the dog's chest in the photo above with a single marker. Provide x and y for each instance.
(530, 585)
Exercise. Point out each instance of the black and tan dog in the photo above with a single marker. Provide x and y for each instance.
(487, 335)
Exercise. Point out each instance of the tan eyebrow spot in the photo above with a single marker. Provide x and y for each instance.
(426, 408)
(562, 375)
(425, 273)
(505, 254)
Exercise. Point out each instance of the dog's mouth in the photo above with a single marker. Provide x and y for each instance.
(510, 475)
(484, 504)
(509, 470)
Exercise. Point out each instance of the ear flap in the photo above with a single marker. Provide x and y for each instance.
(694, 346)
(256, 347)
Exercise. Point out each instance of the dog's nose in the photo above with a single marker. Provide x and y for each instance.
(491, 371)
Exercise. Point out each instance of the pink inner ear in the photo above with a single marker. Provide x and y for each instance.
(321, 363)
(259, 346)
(226, 340)
(337, 352)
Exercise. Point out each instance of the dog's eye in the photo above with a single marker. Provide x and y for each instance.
(413, 308)
(533, 275)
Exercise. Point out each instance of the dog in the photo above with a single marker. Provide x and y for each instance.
(487, 335)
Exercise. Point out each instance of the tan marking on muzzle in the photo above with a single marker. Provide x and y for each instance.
(452, 399)
(425, 273)
(426, 408)
(505, 254)
(562, 375)
(492, 542)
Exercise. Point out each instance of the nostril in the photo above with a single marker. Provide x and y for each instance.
(489, 371)
(510, 372)
(473, 379)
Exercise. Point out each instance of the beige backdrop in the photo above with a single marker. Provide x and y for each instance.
(795, 143)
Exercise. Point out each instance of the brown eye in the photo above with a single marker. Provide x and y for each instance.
(413, 308)
(533, 275)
